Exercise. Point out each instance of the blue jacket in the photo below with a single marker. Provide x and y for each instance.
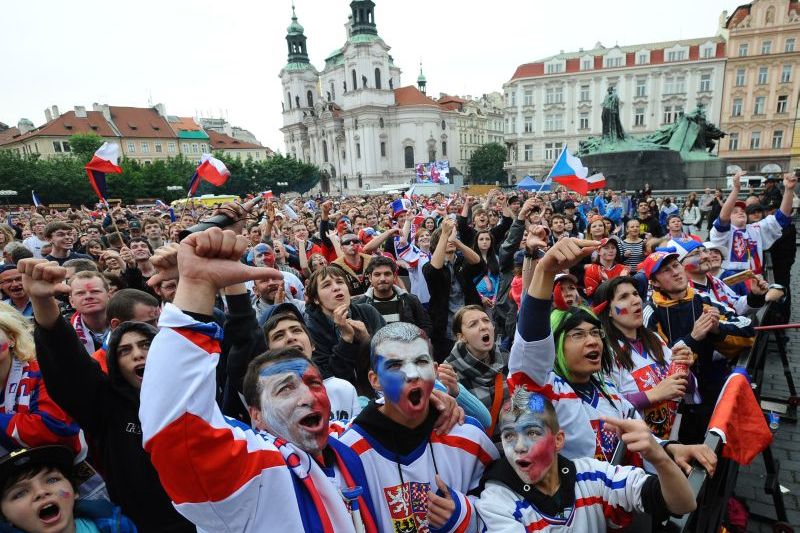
(600, 203)
(106, 516)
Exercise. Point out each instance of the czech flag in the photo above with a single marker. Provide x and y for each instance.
(400, 206)
(211, 170)
(570, 172)
(739, 421)
(36, 201)
(103, 162)
(266, 195)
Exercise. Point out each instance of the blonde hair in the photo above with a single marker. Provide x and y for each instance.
(19, 333)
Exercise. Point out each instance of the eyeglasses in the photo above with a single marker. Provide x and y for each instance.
(354, 241)
(582, 334)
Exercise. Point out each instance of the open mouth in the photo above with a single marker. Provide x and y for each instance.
(311, 422)
(593, 356)
(486, 338)
(139, 371)
(415, 397)
(339, 297)
(523, 463)
(49, 513)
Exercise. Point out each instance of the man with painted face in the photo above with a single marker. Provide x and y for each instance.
(745, 242)
(405, 461)
(289, 471)
(534, 487)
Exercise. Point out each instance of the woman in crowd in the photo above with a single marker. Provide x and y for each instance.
(488, 282)
(690, 214)
(94, 249)
(633, 246)
(597, 228)
(716, 208)
(412, 255)
(608, 265)
(430, 224)
(641, 366)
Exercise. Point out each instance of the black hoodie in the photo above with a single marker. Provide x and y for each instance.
(107, 409)
(391, 435)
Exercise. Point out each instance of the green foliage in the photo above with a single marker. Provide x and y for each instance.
(486, 164)
(61, 180)
(83, 145)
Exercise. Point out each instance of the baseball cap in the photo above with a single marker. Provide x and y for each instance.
(6, 267)
(135, 224)
(564, 276)
(653, 262)
(752, 208)
(684, 247)
(719, 247)
(740, 203)
(772, 177)
(55, 456)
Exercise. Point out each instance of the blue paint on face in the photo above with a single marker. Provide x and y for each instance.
(392, 381)
(536, 403)
(295, 366)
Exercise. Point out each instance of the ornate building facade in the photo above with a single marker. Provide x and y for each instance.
(354, 119)
(762, 82)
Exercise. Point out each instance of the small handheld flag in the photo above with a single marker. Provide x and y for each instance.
(36, 201)
(570, 172)
(211, 170)
(400, 206)
(266, 195)
(103, 162)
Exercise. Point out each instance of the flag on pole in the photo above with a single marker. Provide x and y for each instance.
(266, 195)
(400, 206)
(36, 201)
(164, 207)
(738, 420)
(104, 161)
(410, 192)
(211, 170)
(570, 172)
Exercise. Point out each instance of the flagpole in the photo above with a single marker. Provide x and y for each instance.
(548, 178)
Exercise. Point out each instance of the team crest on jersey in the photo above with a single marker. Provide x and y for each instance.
(408, 505)
(739, 247)
(659, 417)
(606, 441)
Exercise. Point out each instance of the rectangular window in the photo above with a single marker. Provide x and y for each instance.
(667, 114)
(759, 104)
(613, 62)
(740, 77)
(786, 74)
(584, 121)
(159, 148)
(669, 85)
(57, 147)
(587, 64)
(766, 47)
(195, 148)
(755, 140)
(705, 83)
(777, 139)
(554, 69)
(733, 142)
(743, 49)
(641, 86)
(383, 149)
(528, 154)
(203, 148)
(553, 122)
(763, 74)
(552, 151)
(145, 147)
(554, 95)
(641, 59)
(358, 150)
(528, 124)
(528, 97)
(676, 55)
(513, 99)
(789, 45)
(680, 85)
(783, 104)
(584, 94)
(638, 117)
(708, 52)
(185, 148)
(64, 146)
(736, 108)
(171, 147)
(131, 147)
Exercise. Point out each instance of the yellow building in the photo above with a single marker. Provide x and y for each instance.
(762, 82)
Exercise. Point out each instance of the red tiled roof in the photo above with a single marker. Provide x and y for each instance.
(140, 122)
(220, 141)
(410, 95)
(64, 126)
(528, 70)
(184, 124)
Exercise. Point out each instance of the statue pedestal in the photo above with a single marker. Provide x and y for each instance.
(662, 169)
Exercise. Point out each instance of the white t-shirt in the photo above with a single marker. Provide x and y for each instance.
(34, 244)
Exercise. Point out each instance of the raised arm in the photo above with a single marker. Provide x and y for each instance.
(440, 253)
(730, 202)
(376, 242)
(789, 184)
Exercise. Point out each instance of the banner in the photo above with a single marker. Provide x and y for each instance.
(433, 172)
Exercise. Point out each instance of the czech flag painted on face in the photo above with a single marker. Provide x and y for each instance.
(570, 172)
(103, 162)
(211, 170)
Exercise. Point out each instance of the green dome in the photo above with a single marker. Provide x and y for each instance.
(295, 27)
(421, 77)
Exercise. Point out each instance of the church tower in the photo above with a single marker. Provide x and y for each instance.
(421, 80)
(363, 18)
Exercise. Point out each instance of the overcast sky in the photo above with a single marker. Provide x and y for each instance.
(203, 57)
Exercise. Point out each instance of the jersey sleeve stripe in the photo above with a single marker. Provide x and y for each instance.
(465, 444)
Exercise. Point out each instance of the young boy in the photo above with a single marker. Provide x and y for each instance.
(535, 487)
(39, 496)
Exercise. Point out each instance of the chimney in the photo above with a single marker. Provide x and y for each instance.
(47, 114)
(102, 108)
(56, 114)
(80, 111)
(161, 109)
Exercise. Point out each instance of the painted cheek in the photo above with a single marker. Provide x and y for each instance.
(392, 383)
(620, 311)
(540, 455)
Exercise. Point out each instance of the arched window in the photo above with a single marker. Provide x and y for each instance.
(360, 181)
(355, 79)
(444, 125)
(377, 78)
(444, 148)
(408, 152)
(310, 99)
(324, 151)
(380, 122)
(289, 97)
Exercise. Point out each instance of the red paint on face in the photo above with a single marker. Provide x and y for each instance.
(540, 456)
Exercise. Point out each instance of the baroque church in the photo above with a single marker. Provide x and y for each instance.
(355, 119)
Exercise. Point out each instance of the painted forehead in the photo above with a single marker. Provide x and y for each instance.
(393, 349)
(297, 367)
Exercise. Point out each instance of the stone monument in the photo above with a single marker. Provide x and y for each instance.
(676, 156)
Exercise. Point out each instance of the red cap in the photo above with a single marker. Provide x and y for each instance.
(653, 262)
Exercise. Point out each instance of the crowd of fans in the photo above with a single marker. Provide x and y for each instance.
(444, 363)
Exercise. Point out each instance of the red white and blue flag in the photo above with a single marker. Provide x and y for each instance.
(570, 172)
(36, 201)
(104, 161)
(211, 170)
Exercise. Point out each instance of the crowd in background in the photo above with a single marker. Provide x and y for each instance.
(559, 324)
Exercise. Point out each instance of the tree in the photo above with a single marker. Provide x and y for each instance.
(486, 164)
(84, 145)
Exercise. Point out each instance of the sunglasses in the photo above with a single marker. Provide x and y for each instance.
(352, 241)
